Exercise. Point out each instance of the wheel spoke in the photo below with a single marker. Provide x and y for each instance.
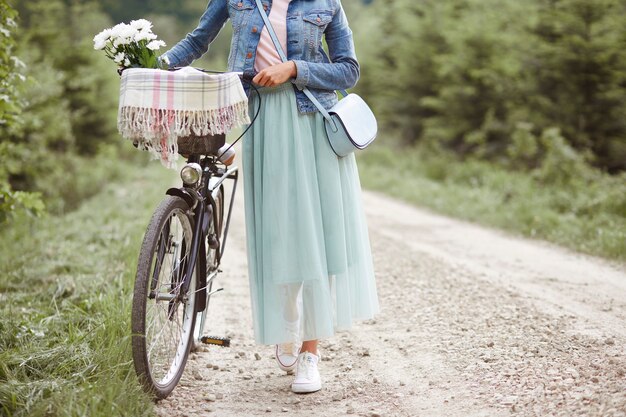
(168, 322)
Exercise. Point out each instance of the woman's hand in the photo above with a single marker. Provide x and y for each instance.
(276, 74)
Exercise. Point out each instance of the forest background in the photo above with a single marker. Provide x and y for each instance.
(514, 108)
(502, 112)
(466, 89)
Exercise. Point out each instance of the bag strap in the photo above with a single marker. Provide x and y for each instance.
(283, 57)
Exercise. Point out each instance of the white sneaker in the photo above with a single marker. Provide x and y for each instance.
(287, 356)
(307, 375)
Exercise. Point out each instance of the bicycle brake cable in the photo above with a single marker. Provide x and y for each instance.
(258, 110)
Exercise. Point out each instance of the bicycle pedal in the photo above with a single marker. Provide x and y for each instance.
(213, 340)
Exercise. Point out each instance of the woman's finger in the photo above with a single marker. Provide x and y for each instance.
(270, 77)
(259, 78)
(267, 79)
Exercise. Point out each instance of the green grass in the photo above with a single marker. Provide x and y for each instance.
(586, 213)
(65, 295)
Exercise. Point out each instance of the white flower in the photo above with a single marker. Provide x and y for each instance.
(115, 30)
(128, 32)
(154, 45)
(143, 35)
(122, 34)
(130, 44)
(99, 44)
(100, 40)
(119, 57)
(121, 41)
(141, 25)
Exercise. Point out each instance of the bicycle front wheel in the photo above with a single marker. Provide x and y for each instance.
(163, 315)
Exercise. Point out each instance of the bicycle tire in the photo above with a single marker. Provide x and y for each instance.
(211, 266)
(162, 323)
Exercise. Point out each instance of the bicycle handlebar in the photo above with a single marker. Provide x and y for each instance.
(244, 75)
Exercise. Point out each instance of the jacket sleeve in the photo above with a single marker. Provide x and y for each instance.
(343, 70)
(196, 43)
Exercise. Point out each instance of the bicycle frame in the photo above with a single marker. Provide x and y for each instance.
(201, 200)
(231, 173)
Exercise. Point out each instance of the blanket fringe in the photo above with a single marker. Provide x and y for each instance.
(157, 130)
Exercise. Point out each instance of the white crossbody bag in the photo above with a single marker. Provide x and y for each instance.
(350, 124)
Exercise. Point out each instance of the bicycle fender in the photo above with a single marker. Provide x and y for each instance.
(184, 194)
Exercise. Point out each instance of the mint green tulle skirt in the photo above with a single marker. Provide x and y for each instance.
(309, 256)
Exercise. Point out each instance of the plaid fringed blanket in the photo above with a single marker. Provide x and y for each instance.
(156, 107)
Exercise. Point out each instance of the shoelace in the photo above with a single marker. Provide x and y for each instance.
(287, 348)
(305, 365)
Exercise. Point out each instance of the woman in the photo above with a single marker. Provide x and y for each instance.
(309, 258)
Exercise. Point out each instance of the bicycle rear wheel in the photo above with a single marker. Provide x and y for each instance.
(162, 315)
(211, 267)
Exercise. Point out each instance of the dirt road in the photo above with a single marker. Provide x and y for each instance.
(473, 323)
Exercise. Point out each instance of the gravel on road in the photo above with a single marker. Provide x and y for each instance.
(474, 322)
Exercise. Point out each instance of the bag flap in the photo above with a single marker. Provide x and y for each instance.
(357, 118)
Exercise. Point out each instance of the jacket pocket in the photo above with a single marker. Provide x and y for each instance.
(315, 23)
(239, 11)
(320, 18)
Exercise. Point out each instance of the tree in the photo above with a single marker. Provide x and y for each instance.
(12, 201)
(481, 87)
(469, 74)
(69, 97)
(579, 72)
(399, 62)
(60, 42)
(438, 72)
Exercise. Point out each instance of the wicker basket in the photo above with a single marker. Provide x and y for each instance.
(201, 145)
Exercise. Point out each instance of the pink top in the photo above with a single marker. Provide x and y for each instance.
(266, 54)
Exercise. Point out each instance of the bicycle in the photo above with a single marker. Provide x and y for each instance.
(178, 263)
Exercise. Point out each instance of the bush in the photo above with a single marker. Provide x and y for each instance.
(69, 102)
(483, 77)
(12, 201)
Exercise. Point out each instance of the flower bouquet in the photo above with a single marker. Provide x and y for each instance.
(157, 108)
(131, 45)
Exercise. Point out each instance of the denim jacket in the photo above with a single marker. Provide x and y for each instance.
(307, 22)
